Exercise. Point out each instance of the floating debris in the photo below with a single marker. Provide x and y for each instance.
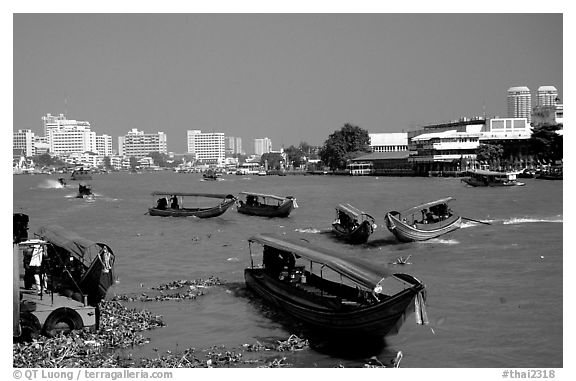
(190, 289)
(402, 261)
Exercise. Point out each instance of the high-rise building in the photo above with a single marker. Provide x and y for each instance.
(51, 122)
(519, 102)
(24, 139)
(71, 139)
(139, 144)
(104, 145)
(233, 145)
(208, 147)
(262, 146)
(547, 96)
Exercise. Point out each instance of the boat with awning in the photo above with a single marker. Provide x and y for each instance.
(265, 205)
(171, 204)
(353, 224)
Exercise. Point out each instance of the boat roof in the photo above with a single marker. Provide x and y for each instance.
(211, 195)
(80, 247)
(351, 211)
(428, 204)
(281, 198)
(366, 274)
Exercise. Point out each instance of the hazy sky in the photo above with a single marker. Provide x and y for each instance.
(289, 77)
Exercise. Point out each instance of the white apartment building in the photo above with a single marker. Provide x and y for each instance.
(41, 145)
(24, 139)
(104, 145)
(233, 145)
(519, 102)
(262, 146)
(71, 139)
(51, 122)
(389, 141)
(139, 144)
(207, 146)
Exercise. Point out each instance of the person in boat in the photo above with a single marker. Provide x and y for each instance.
(62, 181)
(424, 216)
(252, 200)
(174, 202)
(162, 203)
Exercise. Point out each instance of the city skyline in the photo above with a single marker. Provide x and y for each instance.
(289, 77)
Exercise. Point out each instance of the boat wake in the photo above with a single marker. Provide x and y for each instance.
(308, 231)
(468, 224)
(50, 184)
(528, 220)
(444, 241)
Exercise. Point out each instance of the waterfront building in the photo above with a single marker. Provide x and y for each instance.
(51, 122)
(69, 139)
(208, 147)
(139, 144)
(41, 145)
(24, 140)
(445, 151)
(262, 146)
(547, 96)
(104, 145)
(389, 142)
(391, 163)
(233, 145)
(519, 102)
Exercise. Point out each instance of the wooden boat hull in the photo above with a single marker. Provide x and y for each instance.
(356, 236)
(282, 210)
(377, 320)
(422, 232)
(193, 212)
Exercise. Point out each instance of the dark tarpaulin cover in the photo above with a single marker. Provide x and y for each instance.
(82, 248)
(367, 274)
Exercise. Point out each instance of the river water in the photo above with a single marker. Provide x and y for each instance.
(494, 291)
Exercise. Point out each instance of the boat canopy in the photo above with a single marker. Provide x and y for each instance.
(211, 195)
(352, 212)
(280, 198)
(366, 274)
(81, 248)
(426, 205)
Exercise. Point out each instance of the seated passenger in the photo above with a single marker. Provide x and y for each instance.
(162, 203)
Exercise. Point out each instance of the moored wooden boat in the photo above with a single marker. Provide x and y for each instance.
(176, 208)
(423, 222)
(77, 267)
(266, 205)
(352, 224)
(481, 178)
(331, 293)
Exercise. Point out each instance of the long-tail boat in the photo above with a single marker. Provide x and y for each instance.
(266, 205)
(423, 222)
(176, 207)
(330, 292)
(352, 224)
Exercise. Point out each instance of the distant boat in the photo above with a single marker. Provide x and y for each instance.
(352, 224)
(481, 178)
(176, 208)
(211, 174)
(551, 173)
(84, 191)
(423, 222)
(335, 295)
(266, 205)
(81, 174)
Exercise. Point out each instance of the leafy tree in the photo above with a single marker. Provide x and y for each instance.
(107, 163)
(546, 144)
(273, 158)
(45, 160)
(295, 155)
(133, 163)
(490, 154)
(343, 145)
